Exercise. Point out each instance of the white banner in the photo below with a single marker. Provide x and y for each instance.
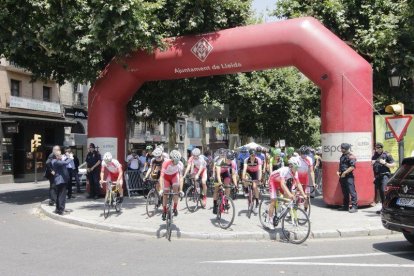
(361, 145)
(105, 144)
(26, 103)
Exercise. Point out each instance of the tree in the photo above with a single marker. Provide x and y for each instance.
(74, 40)
(277, 104)
(380, 30)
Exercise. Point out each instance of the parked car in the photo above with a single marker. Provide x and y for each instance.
(398, 208)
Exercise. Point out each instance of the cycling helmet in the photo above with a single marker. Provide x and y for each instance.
(148, 147)
(243, 149)
(319, 150)
(157, 152)
(276, 152)
(252, 151)
(230, 155)
(107, 157)
(290, 151)
(258, 149)
(294, 162)
(175, 155)
(304, 150)
(196, 152)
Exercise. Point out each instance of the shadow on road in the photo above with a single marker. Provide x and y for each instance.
(25, 197)
(402, 249)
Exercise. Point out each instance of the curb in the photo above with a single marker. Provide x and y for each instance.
(239, 236)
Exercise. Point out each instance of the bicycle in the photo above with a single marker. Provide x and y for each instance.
(154, 199)
(111, 198)
(250, 198)
(193, 196)
(302, 203)
(225, 207)
(170, 216)
(295, 222)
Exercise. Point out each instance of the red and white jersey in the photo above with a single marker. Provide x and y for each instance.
(112, 166)
(284, 173)
(305, 165)
(199, 163)
(169, 168)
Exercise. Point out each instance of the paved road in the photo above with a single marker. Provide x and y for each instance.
(35, 245)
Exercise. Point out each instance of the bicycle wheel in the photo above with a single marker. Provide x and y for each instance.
(107, 206)
(152, 203)
(250, 203)
(118, 205)
(226, 212)
(264, 213)
(169, 223)
(305, 205)
(192, 199)
(295, 225)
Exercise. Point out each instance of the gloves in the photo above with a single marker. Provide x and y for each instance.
(181, 194)
(161, 192)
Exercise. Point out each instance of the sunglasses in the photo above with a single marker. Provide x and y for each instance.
(378, 147)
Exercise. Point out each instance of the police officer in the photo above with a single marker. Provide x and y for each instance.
(346, 178)
(382, 162)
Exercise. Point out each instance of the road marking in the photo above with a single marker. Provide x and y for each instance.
(292, 260)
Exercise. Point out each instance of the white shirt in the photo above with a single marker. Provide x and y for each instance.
(134, 162)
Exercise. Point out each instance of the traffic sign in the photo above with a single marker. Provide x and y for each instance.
(398, 125)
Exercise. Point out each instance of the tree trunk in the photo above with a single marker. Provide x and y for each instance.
(203, 134)
(172, 136)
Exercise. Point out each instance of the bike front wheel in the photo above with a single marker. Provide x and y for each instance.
(152, 203)
(169, 223)
(264, 213)
(226, 212)
(250, 204)
(107, 207)
(192, 199)
(296, 225)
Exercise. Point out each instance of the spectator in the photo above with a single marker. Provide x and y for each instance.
(76, 173)
(346, 178)
(49, 174)
(148, 157)
(142, 159)
(382, 162)
(133, 161)
(93, 164)
(71, 168)
(61, 177)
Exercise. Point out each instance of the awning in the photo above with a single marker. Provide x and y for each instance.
(15, 118)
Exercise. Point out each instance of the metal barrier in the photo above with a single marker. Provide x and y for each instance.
(134, 182)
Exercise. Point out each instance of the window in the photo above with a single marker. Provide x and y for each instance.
(197, 130)
(190, 129)
(46, 93)
(15, 88)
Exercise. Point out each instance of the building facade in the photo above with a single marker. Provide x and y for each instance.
(27, 108)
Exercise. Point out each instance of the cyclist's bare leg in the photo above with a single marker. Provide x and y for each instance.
(271, 207)
(176, 188)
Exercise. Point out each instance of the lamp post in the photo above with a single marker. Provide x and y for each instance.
(394, 79)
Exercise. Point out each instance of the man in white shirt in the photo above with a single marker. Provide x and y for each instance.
(133, 161)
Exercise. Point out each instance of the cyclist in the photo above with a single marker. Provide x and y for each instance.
(277, 184)
(305, 170)
(154, 171)
(275, 161)
(113, 170)
(244, 153)
(197, 166)
(148, 157)
(171, 177)
(226, 170)
(253, 167)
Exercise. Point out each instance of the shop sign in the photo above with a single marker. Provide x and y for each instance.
(14, 128)
(25, 103)
(76, 113)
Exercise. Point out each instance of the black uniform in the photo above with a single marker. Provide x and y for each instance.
(93, 176)
(381, 172)
(48, 174)
(348, 183)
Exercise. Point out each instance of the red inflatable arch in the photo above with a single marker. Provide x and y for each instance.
(344, 77)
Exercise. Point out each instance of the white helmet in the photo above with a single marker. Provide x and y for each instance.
(107, 157)
(157, 152)
(196, 152)
(175, 155)
(294, 162)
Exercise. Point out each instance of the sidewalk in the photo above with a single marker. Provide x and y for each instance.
(326, 222)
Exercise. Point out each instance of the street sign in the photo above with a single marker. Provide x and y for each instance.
(398, 125)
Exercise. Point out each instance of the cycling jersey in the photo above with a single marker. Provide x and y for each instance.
(226, 165)
(303, 170)
(199, 164)
(112, 168)
(276, 177)
(253, 165)
(276, 163)
(171, 173)
(156, 166)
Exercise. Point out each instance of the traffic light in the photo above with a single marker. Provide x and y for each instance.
(32, 145)
(396, 109)
(38, 140)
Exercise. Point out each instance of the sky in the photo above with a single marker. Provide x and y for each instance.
(262, 6)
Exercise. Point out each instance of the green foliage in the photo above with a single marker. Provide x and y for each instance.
(277, 104)
(380, 30)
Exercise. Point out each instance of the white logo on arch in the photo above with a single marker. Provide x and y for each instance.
(202, 49)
